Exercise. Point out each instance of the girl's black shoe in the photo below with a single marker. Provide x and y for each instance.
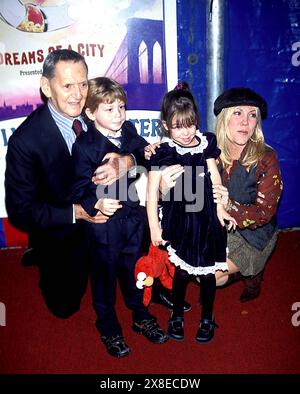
(206, 331)
(175, 328)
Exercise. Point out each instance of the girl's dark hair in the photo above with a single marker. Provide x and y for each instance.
(181, 104)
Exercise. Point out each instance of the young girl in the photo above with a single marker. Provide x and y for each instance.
(193, 230)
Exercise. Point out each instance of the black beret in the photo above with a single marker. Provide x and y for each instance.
(240, 96)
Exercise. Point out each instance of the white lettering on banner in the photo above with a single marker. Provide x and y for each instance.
(2, 314)
(296, 316)
(296, 56)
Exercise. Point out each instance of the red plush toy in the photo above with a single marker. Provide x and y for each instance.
(155, 265)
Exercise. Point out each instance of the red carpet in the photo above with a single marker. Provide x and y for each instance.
(253, 338)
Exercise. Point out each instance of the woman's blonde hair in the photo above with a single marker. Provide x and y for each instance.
(256, 145)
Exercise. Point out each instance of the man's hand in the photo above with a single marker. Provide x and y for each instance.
(115, 167)
(149, 150)
(108, 206)
(80, 213)
(168, 178)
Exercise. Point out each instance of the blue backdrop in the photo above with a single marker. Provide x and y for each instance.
(261, 51)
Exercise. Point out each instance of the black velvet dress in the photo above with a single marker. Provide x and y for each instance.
(188, 213)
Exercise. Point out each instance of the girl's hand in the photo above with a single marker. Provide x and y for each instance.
(108, 206)
(223, 215)
(149, 150)
(221, 195)
(156, 238)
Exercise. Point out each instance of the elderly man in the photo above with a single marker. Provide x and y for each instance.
(39, 177)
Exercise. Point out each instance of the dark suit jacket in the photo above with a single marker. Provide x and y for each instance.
(89, 151)
(38, 178)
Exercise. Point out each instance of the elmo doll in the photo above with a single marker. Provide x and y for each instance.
(155, 265)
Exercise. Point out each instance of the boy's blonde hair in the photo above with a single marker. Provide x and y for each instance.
(103, 90)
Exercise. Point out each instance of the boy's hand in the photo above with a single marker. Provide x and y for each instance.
(108, 206)
(80, 213)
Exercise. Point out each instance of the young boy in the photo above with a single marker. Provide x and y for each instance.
(114, 246)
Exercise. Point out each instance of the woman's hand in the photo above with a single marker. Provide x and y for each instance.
(223, 215)
(108, 206)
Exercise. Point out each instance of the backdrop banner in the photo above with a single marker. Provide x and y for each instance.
(122, 39)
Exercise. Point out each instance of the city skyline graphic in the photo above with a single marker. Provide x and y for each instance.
(139, 65)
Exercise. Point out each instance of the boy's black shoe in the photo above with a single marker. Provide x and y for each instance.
(151, 330)
(206, 331)
(166, 300)
(175, 329)
(116, 345)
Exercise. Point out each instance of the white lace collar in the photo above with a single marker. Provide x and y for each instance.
(182, 150)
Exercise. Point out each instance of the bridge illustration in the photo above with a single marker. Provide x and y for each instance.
(139, 66)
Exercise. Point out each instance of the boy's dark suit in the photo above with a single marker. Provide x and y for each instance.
(116, 245)
(38, 181)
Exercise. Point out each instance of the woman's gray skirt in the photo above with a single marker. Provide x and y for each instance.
(250, 260)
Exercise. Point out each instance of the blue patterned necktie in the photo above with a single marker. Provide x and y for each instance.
(116, 140)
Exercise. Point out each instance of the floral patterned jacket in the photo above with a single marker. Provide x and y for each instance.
(254, 193)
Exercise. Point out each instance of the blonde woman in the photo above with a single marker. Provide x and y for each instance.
(250, 171)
